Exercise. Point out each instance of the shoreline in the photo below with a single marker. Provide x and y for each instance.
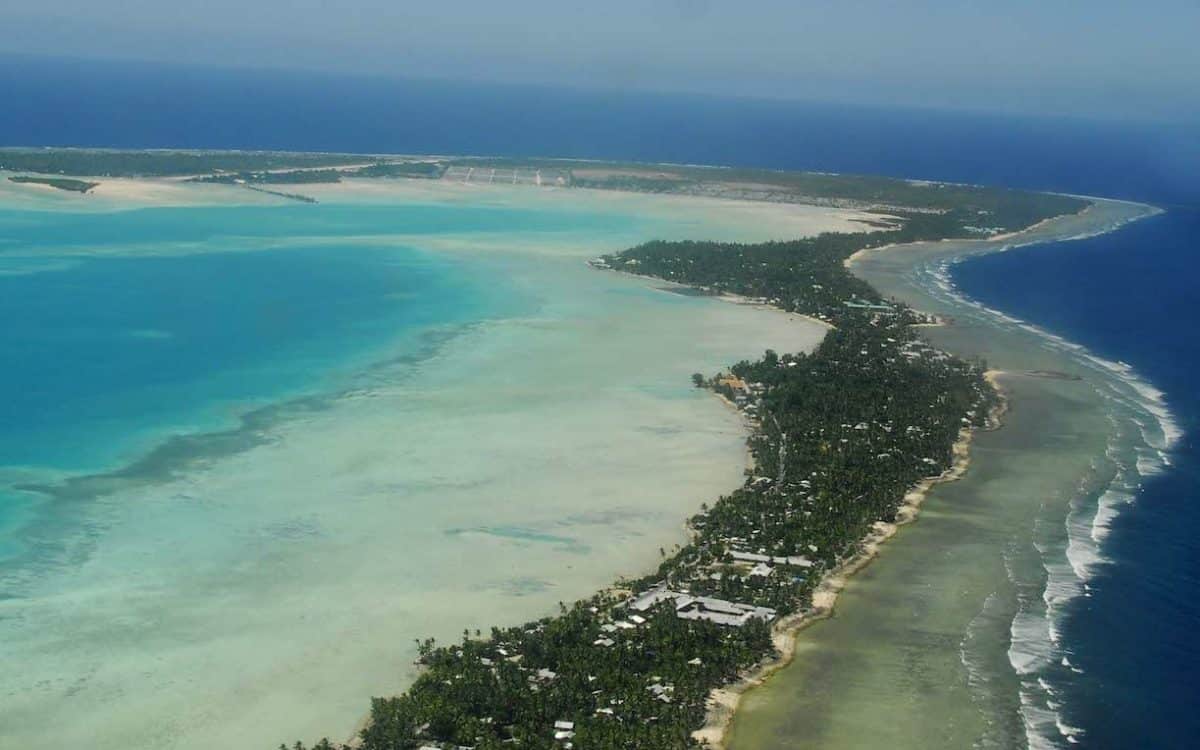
(726, 700)
(747, 425)
(727, 297)
(1150, 210)
(833, 582)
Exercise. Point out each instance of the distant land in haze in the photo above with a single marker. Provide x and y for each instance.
(77, 186)
(306, 111)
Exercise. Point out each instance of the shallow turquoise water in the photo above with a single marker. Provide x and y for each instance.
(126, 327)
(251, 453)
(109, 348)
(122, 329)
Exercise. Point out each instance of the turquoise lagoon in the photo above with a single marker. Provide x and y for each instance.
(249, 453)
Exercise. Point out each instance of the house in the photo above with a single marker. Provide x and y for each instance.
(734, 383)
(754, 557)
(761, 570)
(564, 730)
(651, 597)
(860, 305)
(720, 611)
(688, 607)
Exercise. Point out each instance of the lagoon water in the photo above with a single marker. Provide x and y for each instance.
(250, 453)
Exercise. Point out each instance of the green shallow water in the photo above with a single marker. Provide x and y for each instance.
(937, 642)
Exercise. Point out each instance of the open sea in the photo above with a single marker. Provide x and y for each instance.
(98, 369)
(1126, 296)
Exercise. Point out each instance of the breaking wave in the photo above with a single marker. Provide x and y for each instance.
(1142, 433)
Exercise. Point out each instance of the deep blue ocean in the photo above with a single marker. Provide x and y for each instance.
(1128, 295)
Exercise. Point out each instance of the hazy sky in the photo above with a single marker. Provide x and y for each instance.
(1109, 57)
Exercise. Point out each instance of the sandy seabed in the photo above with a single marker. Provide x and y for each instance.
(265, 596)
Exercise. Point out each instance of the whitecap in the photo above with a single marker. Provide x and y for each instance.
(1031, 647)
(1108, 507)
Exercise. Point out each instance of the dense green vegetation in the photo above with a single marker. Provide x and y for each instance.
(840, 435)
(805, 275)
(429, 169)
(62, 183)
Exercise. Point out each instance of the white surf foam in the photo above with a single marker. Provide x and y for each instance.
(1143, 433)
(1032, 647)
(1108, 507)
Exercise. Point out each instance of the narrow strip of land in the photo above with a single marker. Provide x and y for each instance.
(843, 440)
